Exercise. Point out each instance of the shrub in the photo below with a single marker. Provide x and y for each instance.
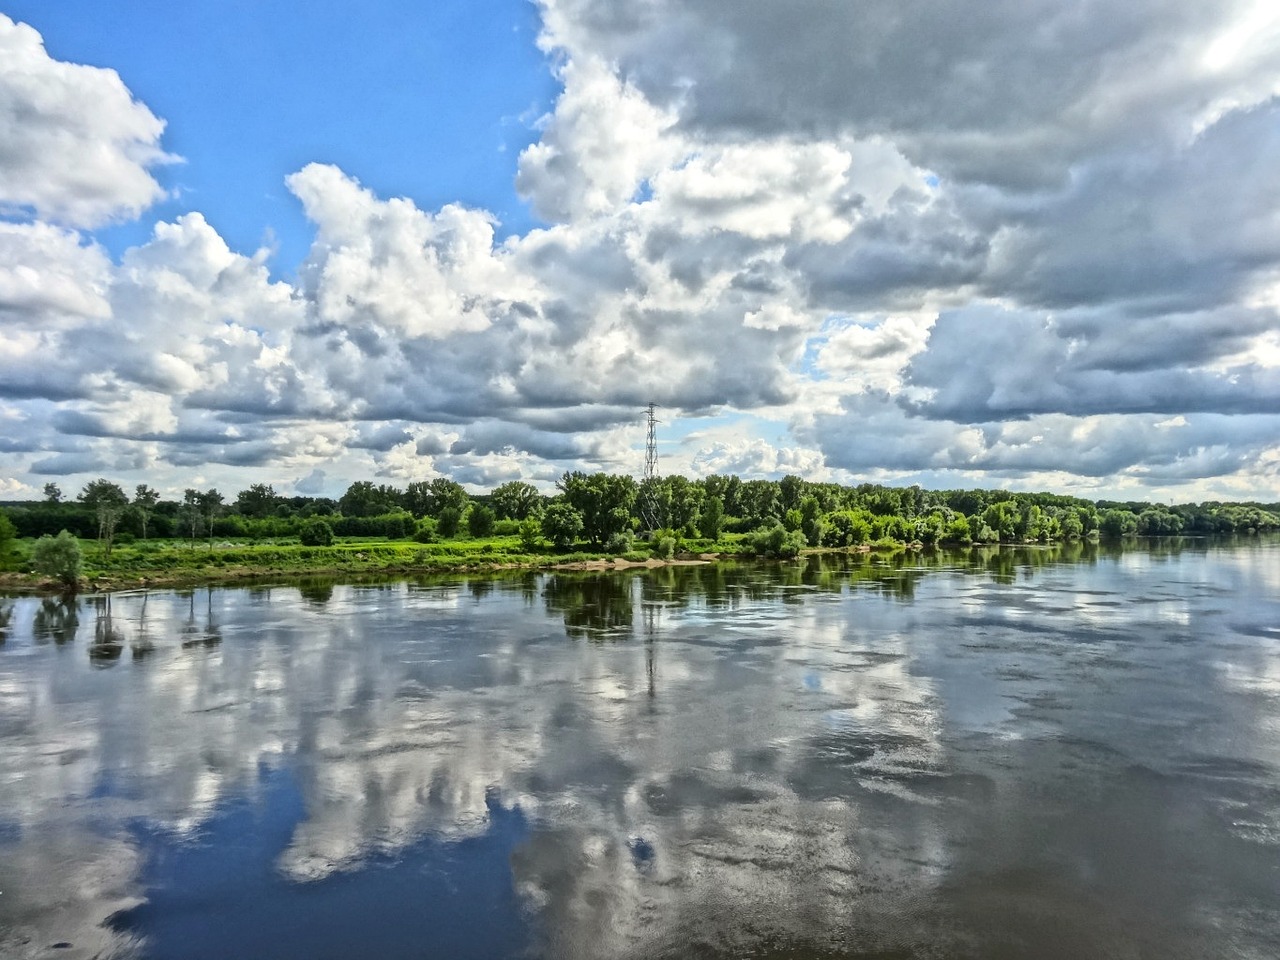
(620, 543)
(663, 546)
(426, 532)
(316, 533)
(59, 557)
(777, 541)
(530, 534)
(398, 526)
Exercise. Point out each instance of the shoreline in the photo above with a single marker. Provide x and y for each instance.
(32, 584)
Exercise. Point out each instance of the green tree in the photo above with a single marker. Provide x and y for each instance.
(58, 557)
(516, 500)
(108, 502)
(1116, 523)
(684, 502)
(144, 502)
(561, 524)
(958, 530)
(603, 500)
(1005, 518)
(259, 500)
(711, 518)
(210, 507)
(449, 521)
(530, 534)
(8, 534)
(811, 520)
(190, 514)
(480, 521)
(426, 498)
(366, 499)
(790, 492)
(52, 493)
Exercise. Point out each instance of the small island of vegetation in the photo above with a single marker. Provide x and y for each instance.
(109, 539)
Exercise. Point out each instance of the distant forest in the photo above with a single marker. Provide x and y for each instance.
(601, 508)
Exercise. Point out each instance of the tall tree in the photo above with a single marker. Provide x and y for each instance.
(52, 493)
(366, 499)
(444, 494)
(258, 501)
(144, 501)
(210, 506)
(516, 500)
(190, 514)
(108, 502)
(604, 501)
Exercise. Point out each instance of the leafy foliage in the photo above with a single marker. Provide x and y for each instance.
(562, 524)
(603, 501)
(59, 557)
(316, 533)
(108, 503)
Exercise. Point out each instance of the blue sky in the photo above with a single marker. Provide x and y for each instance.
(432, 101)
(1005, 244)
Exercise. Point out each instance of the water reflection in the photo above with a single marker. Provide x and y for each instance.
(1050, 752)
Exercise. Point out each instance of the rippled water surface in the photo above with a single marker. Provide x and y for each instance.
(1041, 754)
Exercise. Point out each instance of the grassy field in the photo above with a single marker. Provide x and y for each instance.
(179, 562)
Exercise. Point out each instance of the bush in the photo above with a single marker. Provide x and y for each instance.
(59, 557)
(778, 541)
(663, 546)
(398, 526)
(426, 531)
(530, 534)
(620, 543)
(316, 533)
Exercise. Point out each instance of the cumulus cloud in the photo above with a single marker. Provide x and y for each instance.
(1008, 92)
(75, 146)
(1006, 239)
(986, 363)
(603, 140)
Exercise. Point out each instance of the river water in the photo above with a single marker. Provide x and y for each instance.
(1052, 753)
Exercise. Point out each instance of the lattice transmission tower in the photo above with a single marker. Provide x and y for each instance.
(648, 504)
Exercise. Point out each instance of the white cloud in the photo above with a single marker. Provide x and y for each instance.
(970, 222)
(601, 142)
(75, 147)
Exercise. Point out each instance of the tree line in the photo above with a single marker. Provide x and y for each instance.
(606, 511)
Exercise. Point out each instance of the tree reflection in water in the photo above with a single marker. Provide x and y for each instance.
(912, 754)
(594, 606)
(56, 619)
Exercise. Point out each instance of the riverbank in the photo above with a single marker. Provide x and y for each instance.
(131, 568)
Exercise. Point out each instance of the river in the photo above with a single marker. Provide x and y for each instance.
(1005, 753)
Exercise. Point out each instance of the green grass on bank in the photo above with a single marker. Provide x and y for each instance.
(184, 561)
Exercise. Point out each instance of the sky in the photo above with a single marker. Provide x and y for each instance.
(1023, 244)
